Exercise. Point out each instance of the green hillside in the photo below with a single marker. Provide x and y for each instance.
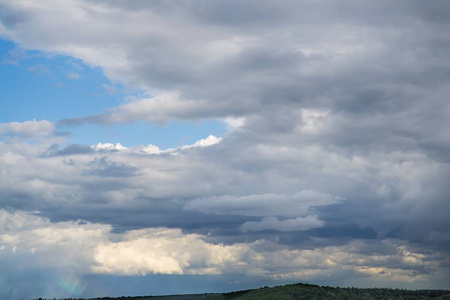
(301, 291)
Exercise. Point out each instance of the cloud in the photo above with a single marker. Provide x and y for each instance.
(106, 168)
(61, 245)
(70, 149)
(28, 129)
(74, 75)
(262, 205)
(152, 149)
(108, 146)
(39, 69)
(380, 193)
(77, 149)
(159, 109)
(227, 69)
(165, 251)
(236, 75)
(337, 155)
(273, 223)
(110, 88)
(206, 142)
(83, 247)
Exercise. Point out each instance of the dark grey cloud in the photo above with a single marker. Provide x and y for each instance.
(106, 168)
(70, 149)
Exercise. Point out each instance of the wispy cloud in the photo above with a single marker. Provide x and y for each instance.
(74, 75)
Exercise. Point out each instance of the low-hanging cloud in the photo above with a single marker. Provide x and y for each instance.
(84, 247)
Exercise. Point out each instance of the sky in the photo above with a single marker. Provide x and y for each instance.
(162, 147)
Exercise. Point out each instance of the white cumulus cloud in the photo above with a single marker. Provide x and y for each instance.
(28, 129)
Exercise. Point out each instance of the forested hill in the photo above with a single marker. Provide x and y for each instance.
(300, 291)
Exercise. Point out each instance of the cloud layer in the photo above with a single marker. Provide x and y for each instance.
(335, 161)
(169, 251)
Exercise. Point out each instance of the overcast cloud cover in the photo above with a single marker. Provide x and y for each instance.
(334, 169)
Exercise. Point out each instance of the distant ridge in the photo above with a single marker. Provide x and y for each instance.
(296, 291)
